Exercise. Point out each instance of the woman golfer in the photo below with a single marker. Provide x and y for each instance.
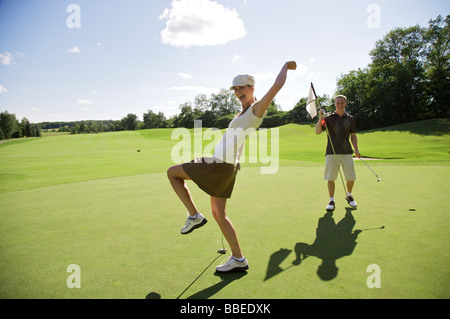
(216, 175)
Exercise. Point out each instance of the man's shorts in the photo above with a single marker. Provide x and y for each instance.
(332, 164)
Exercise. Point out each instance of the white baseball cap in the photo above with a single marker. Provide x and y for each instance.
(243, 80)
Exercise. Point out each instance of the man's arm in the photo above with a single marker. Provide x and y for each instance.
(354, 141)
(319, 128)
(262, 105)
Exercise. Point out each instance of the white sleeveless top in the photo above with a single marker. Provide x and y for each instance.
(229, 149)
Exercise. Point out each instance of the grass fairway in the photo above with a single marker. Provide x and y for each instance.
(94, 201)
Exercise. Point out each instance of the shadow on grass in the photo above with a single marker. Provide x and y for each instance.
(225, 279)
(333, 241)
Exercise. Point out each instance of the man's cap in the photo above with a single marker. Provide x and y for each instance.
(243, 80)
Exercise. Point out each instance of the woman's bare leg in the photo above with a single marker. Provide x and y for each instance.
(218, 206)
(177, 177)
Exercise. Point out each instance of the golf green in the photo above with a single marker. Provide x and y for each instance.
(99, 204)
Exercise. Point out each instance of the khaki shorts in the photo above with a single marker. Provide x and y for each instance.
(332, 164)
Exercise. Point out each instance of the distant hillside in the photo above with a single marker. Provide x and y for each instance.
(427, 127)
(422, 141)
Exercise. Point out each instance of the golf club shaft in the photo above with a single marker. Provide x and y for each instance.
(223, 250)
(368, 167)
(382, 227)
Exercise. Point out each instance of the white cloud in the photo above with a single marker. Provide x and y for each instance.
(236, 58)
(200, 23)
(185, 75)
(313, 75)
(74, 50)
(86, 109)
(165, 14)
(36, 110)
(3, 89)
(6, 59)
(79, 101)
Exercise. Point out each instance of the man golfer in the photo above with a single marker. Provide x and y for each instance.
(216, 176)
(341, 128)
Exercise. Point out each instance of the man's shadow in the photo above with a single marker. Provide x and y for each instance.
(333, 241)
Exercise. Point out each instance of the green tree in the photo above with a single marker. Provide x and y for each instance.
(8, 124)
(224, 103)
(186, 116)
(437, 66)
(407, 80)
(36, 130)
(130, 122)
(275, 116)
(26, 128)
(398, 59)
(153, 120)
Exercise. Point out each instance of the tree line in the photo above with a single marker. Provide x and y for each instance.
(216, 110)
(407, 80)
(10, 127)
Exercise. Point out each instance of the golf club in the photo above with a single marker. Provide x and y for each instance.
(331, 142)
(222, 250)
(379, 179)
(382, 227)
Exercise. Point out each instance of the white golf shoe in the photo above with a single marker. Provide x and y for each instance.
(232, 265)
(351, 201)
(330, 206)
(192, 224)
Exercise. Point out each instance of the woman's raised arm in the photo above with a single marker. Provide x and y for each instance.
(262, 105)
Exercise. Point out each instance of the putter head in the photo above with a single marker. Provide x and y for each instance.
(222, 251)
(379, 179)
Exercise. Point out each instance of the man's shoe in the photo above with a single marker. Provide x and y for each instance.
(192, 224)
(330, 206)
(351, 201)
(232, 265)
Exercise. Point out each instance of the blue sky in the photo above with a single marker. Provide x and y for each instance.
(106, 58)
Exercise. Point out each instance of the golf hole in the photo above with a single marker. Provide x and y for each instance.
(412, 210)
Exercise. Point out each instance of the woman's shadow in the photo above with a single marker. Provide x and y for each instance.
(333, 241)
(226, 279)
